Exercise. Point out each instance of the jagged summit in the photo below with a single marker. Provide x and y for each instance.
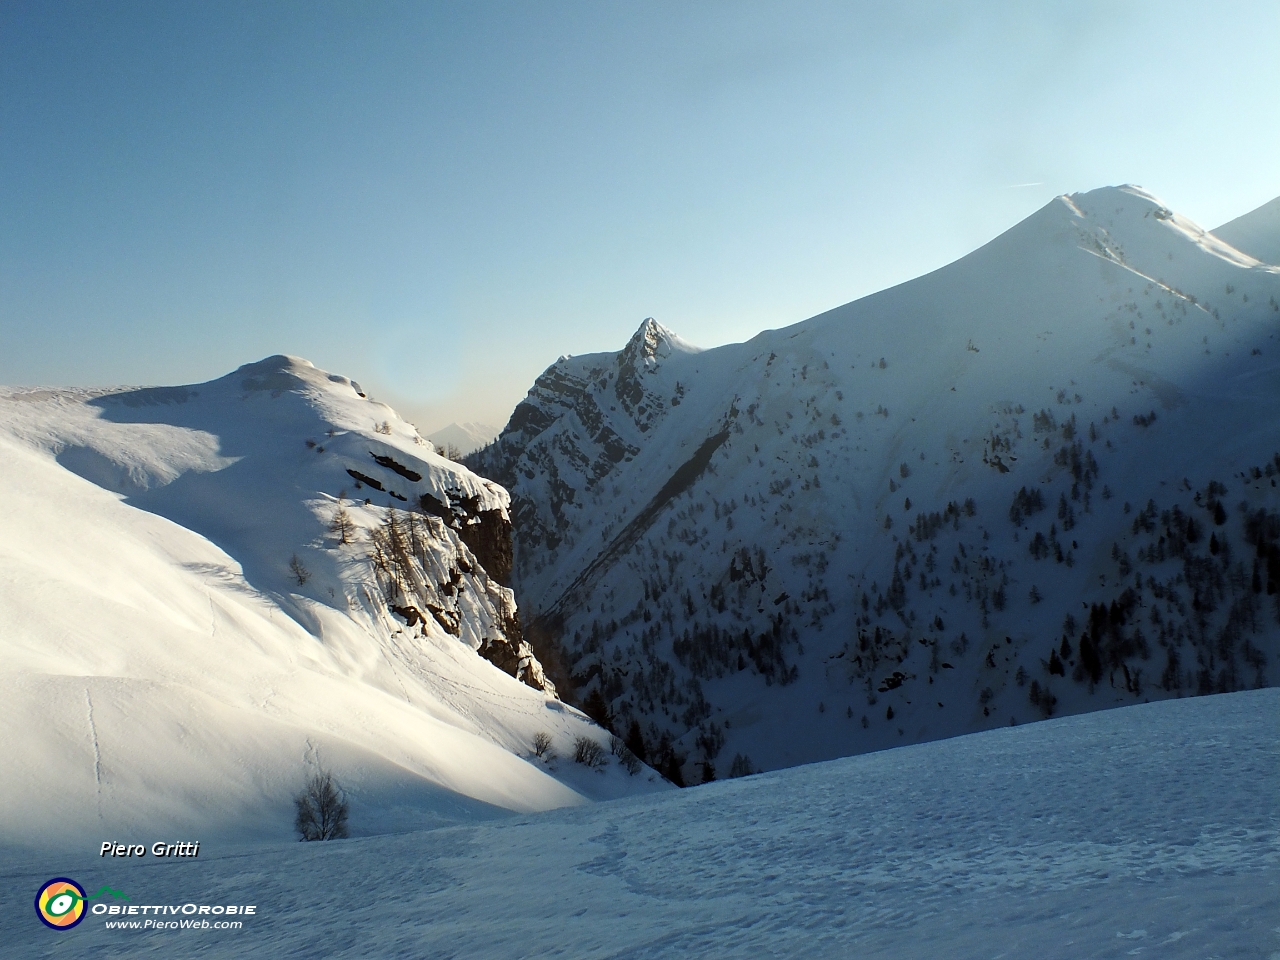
(651, 344)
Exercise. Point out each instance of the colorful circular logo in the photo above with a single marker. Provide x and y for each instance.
(60, 903)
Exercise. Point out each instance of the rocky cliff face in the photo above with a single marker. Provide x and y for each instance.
(470, 560)
(583, 418)
(486, 532)
(1039, 480)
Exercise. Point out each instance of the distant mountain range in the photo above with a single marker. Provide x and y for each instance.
(464, 438)
(1039, 480)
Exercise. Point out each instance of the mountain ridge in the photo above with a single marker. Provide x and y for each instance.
(862, 434)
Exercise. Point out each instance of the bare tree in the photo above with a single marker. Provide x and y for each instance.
(341, 525)
(588, 752)
(321, 809)
(629, 760)
(541, 743)
(299, 571)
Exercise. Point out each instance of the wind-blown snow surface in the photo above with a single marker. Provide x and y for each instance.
(164, 670)
(1150, 831)
(1039, 480)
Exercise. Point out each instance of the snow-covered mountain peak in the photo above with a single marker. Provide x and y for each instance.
(834, 514)
(251, 450)
(651, 344)
(282, 372)
(1131, 225)
(281, 364)
(275, 375)
(584, 416)
(1123, 196)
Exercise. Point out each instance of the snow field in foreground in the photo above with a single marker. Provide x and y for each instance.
(1151, 830)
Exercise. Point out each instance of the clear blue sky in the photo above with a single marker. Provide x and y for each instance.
(439, 199)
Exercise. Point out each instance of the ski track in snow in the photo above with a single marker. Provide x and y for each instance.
(1149, 831)
(97, 751)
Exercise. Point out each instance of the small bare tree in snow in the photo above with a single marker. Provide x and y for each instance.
(588, 752)
(321, 809)
(341, 525)
(541, 743)
(300, 573)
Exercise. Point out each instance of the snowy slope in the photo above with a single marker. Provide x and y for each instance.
(817, 543)
(465, 437)
(1150, 831)
(1257, 233)
(167, 664)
